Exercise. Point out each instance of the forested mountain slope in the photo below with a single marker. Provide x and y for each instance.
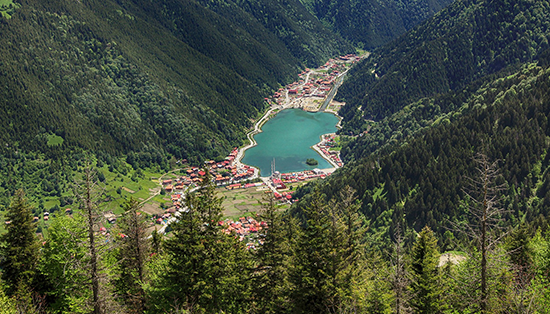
(151, 77)
(465, 41)
(420, 181)
(371, 23)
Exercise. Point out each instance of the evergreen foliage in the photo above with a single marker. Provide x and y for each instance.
(132, 253)
(369, 24)
(206, 269)
(420, 179)
(311, 274)
(80, 82)
(425, 278)
(20, 247)
(326, 257)
(457, 46)
(316, 265)
(270, 277)
(151, 78)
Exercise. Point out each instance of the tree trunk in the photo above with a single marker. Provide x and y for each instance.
(91, 238)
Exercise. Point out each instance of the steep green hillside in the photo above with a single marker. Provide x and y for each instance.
(145, 76)
(372, 23)
(304, 36)
(421, 180)
(465, 41)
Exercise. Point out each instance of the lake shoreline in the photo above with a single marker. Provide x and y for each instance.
(289, 140)
(316, 84)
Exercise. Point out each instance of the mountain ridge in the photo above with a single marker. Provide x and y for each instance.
(137, 84)
(458, 45)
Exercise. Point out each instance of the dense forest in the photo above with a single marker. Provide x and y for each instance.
(458, 46)
(370, 24)
(319, 263)
(442, 206)
(419, 180)
(170, 77)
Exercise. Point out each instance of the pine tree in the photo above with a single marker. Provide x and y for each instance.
(132, 254)
(87, 199)
(310, 290)
(424, 273)
(206, 270)
(156, 242)
(270, 274)
(20, 246)
(327, 255)
(483, 196)
(399, 277)
(346, 248)
(91, 196)
(65, 264)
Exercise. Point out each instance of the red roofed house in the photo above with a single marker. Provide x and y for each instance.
(278, 183)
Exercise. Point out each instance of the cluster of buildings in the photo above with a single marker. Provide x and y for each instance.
(320, 81)
(302, 176)
(236, 186)
(223, 173)
(324, 147)
(245, 228)
(287, 196)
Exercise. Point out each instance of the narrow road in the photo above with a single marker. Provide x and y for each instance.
(333, 91)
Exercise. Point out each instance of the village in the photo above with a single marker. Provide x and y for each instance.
(311, 93)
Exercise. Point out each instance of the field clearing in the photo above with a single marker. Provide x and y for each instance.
(237, 203)
(152, 209)
(128, 190)
(452, 257)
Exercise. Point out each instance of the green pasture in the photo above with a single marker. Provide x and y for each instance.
(241, 202)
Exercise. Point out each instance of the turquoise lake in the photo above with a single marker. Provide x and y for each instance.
(287, 137)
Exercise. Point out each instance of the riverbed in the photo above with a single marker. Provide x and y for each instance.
(288, 138)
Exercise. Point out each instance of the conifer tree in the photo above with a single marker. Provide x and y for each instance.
(132, 254)
(327, 256)
(399, 277)
(87, 199)
(346, 248)
(424, 273)
(270, 275)
(484, 205)
(377, 295)
(206, 269)
(310, 265)
(90, 195)
(65, 263)
(20, 246)
(156, 242)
